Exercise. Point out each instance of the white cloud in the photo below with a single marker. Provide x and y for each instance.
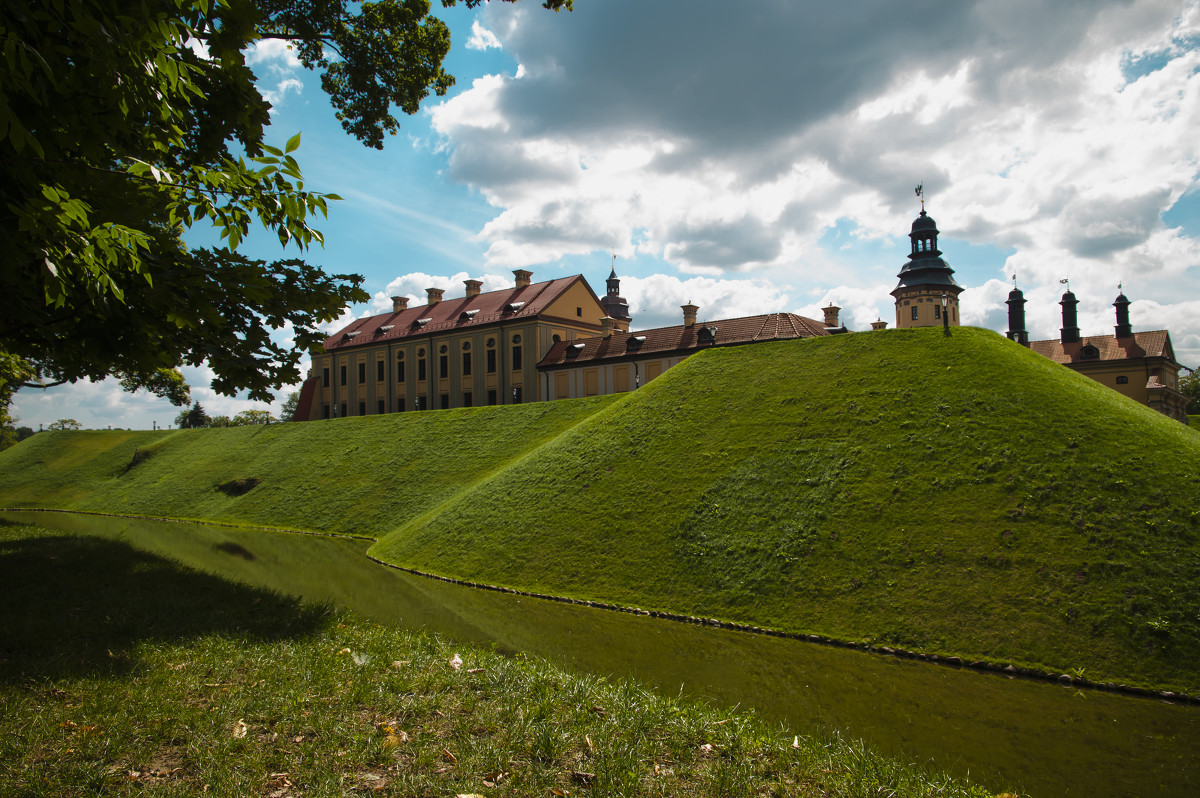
(277, 67)
(482, 38)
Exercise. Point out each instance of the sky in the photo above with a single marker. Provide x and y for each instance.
(763, 157)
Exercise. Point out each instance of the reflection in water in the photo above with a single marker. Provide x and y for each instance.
(1003, 732)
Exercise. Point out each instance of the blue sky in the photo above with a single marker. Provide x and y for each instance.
(764, 158)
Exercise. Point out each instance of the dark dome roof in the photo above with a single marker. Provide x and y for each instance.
(923, 222)
(1015, 295)
(1121, 300)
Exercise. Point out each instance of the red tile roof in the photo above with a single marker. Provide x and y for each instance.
(1155, 343)
(454, 314)
(667, 341)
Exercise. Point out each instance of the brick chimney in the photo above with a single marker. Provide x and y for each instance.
(606, 327)
(879, 324)
(831, 315)
(689, 314)
(399, 303)
(522, 276)
(435, 295)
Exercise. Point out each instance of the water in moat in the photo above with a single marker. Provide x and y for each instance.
(1031, 736)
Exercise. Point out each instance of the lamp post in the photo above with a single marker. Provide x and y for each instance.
(945, 315)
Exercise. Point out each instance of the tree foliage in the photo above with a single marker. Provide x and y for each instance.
(193, 418)
(288, 411)
(1189, 386)
(65, 424)
(123, 123)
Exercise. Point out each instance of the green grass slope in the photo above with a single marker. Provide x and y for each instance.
(362, 475)
(958, 495)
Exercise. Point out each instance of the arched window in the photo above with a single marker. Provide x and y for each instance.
(1122, 380)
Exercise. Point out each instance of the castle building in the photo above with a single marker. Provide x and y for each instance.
(926, 289)
(618, 360)
(1140, 365)
(480, 349)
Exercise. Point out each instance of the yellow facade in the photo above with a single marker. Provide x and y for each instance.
(922, 307)
(478, 364)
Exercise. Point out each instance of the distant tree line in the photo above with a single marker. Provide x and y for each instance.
(195, 417)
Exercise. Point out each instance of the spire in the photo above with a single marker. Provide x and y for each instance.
(1069, 334)
(613, 304)
(1016, 315)
(1123, 329)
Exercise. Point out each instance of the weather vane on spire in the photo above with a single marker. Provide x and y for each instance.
(920, 191)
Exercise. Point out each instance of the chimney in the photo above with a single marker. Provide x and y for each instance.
(689, 314)
(1122, 305)
(1070, 328)
(435, 295)
(473, 287)
(522, 276)
(606, 327)
(399, 303)
(879, 324)
(831, 315)
(1016, 317)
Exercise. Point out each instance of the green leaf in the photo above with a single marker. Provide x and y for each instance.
(293, 143)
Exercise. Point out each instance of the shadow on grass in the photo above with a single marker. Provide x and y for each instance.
(78, 606)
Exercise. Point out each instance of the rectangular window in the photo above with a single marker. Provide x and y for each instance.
(467, 365)
(343, 375)
(362, 373)
(400, 405)
(491, 396)
(324, 411)
(421, 370)
(591, 382)
(443, 366)
(562, 389)
(344, 410)
(399, 371)
(382, 407)
(937, 312)
(517, 395)
(467, 398)
(516, 358)
(379, 371)
(362, 408)
(491, 361)
(325, 377)
(445, 401)
(578, 311)
(914, 313)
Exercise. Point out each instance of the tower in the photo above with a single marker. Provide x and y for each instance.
(615, 306)
(927, 289)
(1016, 317)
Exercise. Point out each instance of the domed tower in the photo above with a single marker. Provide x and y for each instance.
(927, 289)
(615, 306)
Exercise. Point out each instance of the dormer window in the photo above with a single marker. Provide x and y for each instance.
(349, 335)
(574, 349)
(467, 315)
(1089, 352)
(635, 342)
(513, 307)
(421, 322)
(385, 328)
(707, 335)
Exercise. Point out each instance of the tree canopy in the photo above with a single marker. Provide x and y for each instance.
(123, 123)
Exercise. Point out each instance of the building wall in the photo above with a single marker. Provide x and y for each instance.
(604, 378)
(386, 378)
(926, 305)
(1132, 376)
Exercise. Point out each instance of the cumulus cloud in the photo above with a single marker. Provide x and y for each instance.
(482, 38)
(277, 67)
(728, 143)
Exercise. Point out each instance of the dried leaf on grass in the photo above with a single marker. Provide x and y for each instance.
(456, 662)
(239, 729)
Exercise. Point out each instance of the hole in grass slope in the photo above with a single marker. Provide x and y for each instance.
(76, 606)
(238, 487)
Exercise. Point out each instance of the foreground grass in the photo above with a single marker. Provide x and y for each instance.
(121, 672)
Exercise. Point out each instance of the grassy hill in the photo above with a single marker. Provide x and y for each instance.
(363, 475)
(953, 495)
